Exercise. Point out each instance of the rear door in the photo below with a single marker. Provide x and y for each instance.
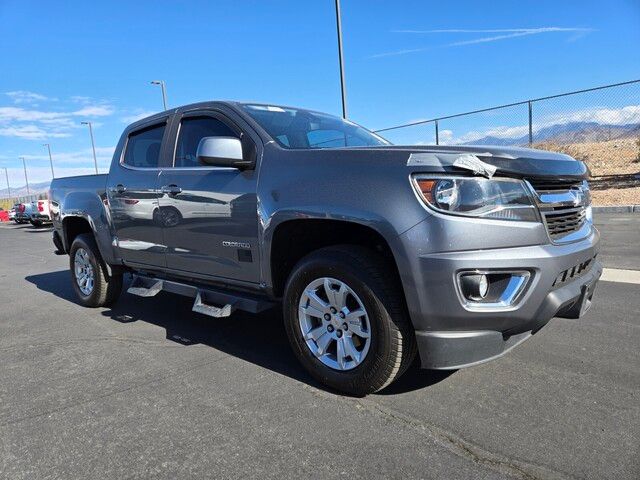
(132, 189)
(209, 213)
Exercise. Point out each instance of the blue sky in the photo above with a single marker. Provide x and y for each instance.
(65, 62)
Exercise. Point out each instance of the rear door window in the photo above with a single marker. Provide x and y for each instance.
(143, 147)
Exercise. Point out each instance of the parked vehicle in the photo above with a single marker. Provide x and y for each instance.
(374, 251)
(39, 213)
(4, 215)
(23, 212)
(12, 214)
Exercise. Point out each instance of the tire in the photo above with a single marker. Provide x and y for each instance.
(36, 224)
(371, 283)
(105, 288)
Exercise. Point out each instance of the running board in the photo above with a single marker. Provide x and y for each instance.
(207, 299)
(211, 310)
(145, 287)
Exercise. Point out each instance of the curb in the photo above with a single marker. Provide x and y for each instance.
(617, 209)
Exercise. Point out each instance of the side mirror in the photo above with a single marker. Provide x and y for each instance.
(222, 152)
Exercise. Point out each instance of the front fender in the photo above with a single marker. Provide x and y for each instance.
(362, 217)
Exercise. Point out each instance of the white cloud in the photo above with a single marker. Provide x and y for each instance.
(94, 111)
(47, 124)
(30, 132)
(445, 136)
(80, 99)
(23, 96)
(507, 33)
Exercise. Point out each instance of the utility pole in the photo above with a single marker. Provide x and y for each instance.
(26, 179)
(6, 175)
(343, 88)
(164, 91)
(50, 159)
(93, 144)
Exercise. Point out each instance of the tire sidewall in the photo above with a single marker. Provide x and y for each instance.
(378, 356)
(90, 300)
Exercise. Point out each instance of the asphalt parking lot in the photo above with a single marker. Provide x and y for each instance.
(149, 389)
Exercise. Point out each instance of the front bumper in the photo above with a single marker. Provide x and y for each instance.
(451, 336)
(448, 350)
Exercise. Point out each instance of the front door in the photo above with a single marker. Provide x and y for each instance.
(132, 191)
(209, 213)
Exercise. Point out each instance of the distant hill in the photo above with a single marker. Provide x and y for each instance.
(34, 188)
(575, 132)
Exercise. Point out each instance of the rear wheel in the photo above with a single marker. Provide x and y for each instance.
(346, 320)
(91, 280)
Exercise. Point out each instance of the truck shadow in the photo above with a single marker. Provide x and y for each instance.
(259, 339)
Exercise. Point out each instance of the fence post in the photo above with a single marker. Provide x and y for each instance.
(437, 134)
(530, 123)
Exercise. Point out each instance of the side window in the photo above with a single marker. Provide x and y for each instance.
(143, 147)
(192, 130)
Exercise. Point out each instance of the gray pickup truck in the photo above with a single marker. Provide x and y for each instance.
(376, 253)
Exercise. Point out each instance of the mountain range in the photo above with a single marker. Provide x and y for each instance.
(574, 132)
(34, 189)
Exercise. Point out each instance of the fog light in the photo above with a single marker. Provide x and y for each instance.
(492, 289)
(474, 287)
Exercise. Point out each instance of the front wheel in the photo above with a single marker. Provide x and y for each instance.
(346, 319)
(91, 281)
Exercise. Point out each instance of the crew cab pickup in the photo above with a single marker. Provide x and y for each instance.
(377, 253)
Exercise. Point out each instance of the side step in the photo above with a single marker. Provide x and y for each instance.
(206, 298)
(217, 312)
(145, 287)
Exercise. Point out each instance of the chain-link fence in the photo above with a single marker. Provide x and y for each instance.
(600, 126)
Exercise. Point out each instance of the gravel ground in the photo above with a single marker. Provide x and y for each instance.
(149, 389)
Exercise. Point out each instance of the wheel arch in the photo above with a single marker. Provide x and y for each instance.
(292, 239)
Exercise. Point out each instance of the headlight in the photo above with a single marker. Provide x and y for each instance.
(500, 199)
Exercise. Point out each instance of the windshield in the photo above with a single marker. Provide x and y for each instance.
(295, 128)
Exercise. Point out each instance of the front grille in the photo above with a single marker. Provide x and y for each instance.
(561, 216)
(563, 222)
(542, 186)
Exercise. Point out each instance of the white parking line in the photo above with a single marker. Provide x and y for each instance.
(619, 275)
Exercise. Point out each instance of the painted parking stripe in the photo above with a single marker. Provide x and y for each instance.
(619, 275)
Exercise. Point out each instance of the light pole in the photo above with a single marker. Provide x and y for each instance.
(6, 175)
(93, 144)
(26, 179)
(164, 91)
(50, 159)
(343, 88)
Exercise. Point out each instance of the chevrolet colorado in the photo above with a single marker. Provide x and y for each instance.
(377, 253)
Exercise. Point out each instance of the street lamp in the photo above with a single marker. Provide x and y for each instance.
(164, 91)
(6, 175)
(343, 88)
(93, 144)
(50, 159)
(25, 175)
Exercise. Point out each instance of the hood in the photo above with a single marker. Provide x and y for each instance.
(509, 161)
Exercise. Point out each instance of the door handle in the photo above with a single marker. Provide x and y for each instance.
(171, 189)
(118, 189)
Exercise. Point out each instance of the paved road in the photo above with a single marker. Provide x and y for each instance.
(150, 389)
